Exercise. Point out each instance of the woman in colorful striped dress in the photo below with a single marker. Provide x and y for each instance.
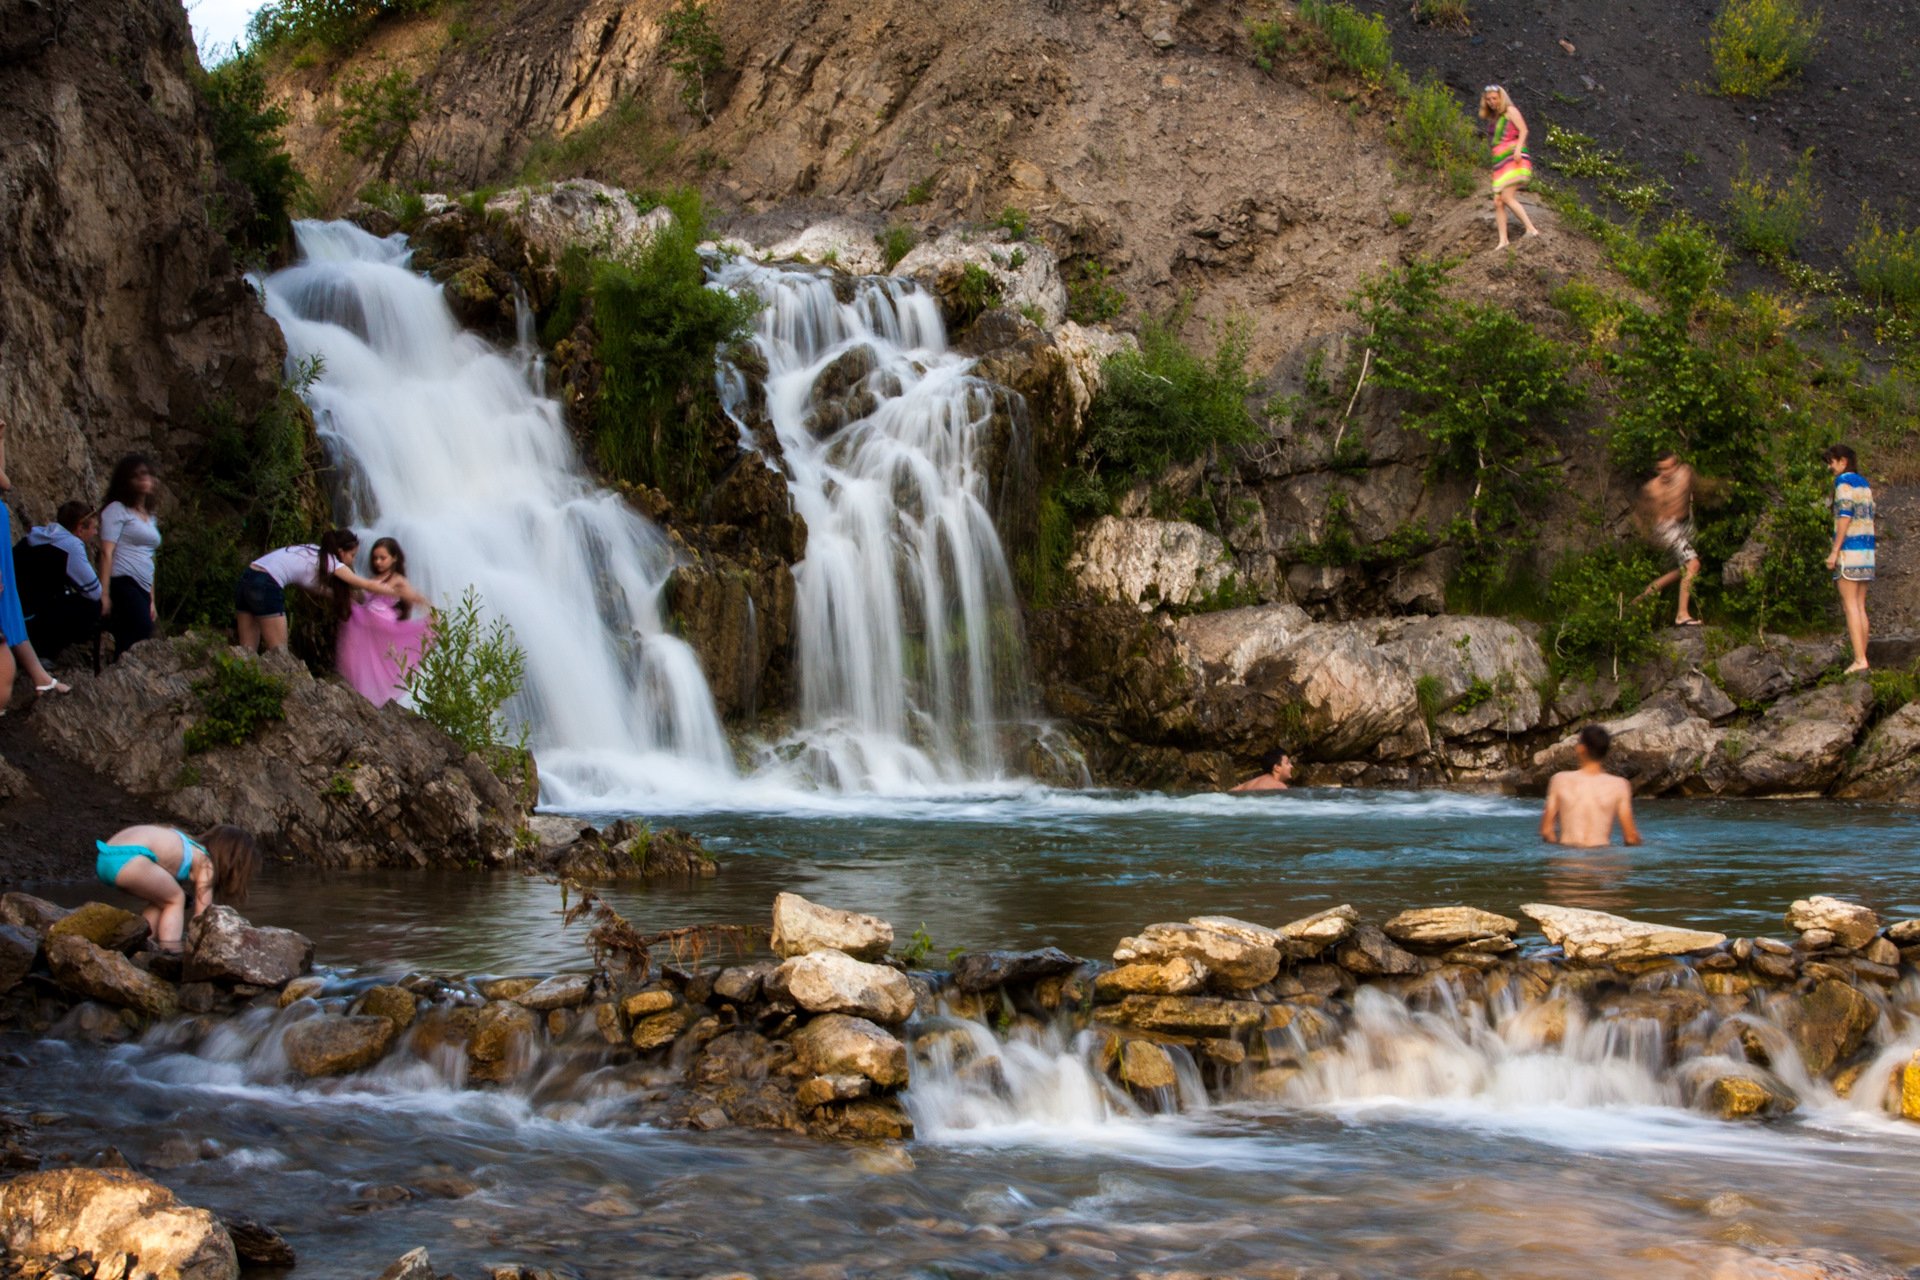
(1852, 556)
(1512, 167)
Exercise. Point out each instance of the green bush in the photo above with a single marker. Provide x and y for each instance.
(1013, 221)
(236, 700)
(659, 330)
(1790, 585)
(921, 191)
(1167, 404)
(465, 675)
(333, 25)
(1770, 219)
(1434, 131)
(1758, 44)
(245, 128)
(1360, 41)
(694, 51)
(896, 243)
(1886, 263)
(377, 116)
(1442, 13)
(1595, 618)
(1268, 39)
(1092, 297)
(976, 291)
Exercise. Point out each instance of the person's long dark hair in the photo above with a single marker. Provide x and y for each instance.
(236, 856)
(340, 544)
(402, 608)
(120, 485)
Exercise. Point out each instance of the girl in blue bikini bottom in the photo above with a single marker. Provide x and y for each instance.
(164, 864)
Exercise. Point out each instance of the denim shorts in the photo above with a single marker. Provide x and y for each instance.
(259, 595)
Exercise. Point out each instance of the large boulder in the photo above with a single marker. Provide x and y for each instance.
(1851, 924)
(109, 1212)
(1800, 744)
(1232, 961)
(800, 926)
(334, 1045)
(1828, 1023)
(101, 924)
(829, 981)
(1147, 563)
(603, 220)
(337, 782)
(1024, 275)
(1595, 937)
(838, 1044)
(223, 947)
(1758, 673)
(1486, 673)
(1660, 747)
(109, 977)
(1887, 766)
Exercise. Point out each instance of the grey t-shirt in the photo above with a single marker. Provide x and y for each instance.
(135, 537)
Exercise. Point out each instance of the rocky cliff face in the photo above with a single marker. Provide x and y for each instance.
(123, 314)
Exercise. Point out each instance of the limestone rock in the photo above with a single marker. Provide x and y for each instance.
(1887, 766)
(1799, 745)
(24, 911)
(506, 988)
(1371, 953)
(1232, 963)
(837, 1044)
(659, 1030)
(1597, 937)
(1904, 933)
(1146, 1066)
(741, 983)
(1763, 672)
(562, 991)
(504, 1035)
(1257, 934)
(1148, 563)
(829, 981)
(840, 242)
(601, 219)
(1185, 1015)
(1745, 1093)
(396, 1004)
(109, 977)
(1490, 663)
(1444, 927)
(18, 949)
(818, 1091)
(800, 926)
(334, 1045)
(108, 1212)
(1829, 1023)
(101, 924)
(1025, 274)
(1311, 935)
(1659, 748)
(1175, 976)
(1851, 924)
(223, 947)
(644, 1004)
(988, 970)
(1909, 1101)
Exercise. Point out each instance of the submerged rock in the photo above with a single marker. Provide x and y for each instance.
(836, 1044)
(108, 1212)
(1850, 924)
(333, 1045)
(1829, 1023)
(413, 1265)
(1746, 1093)
(830, 981)
(223, 947)
(258, 1245)
(98, 974)
(800, 926)
(1597, 937)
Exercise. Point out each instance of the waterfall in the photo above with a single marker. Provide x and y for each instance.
(907, 631)
(449, 445)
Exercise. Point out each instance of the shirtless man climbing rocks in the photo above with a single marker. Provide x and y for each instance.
(1584, 803)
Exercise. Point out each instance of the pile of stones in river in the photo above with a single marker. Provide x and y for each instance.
(822, 1036)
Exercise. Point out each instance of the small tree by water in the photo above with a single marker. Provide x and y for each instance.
(465, 676)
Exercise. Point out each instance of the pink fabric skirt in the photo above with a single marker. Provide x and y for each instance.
(375, 649)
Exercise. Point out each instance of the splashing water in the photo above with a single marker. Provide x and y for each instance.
(908, 624)
(448, 445)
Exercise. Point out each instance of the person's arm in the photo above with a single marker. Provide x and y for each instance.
(1550, 816)
(1519, 123)
(107, 547)
(399, 589)
(1628, 832)
(80, 572)
(202, 877)
(1842, 517)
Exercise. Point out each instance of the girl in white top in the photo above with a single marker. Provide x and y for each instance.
(324, 569)
(129, 537)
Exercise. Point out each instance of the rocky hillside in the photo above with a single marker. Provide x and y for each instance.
(124, 318)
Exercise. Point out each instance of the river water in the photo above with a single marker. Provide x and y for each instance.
(1437, 1158)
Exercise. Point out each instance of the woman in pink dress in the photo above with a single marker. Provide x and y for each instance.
(379, 640)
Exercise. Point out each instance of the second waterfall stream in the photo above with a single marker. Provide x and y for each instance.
(907, 635)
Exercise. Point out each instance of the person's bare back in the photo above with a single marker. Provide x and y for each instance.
(1584, 803)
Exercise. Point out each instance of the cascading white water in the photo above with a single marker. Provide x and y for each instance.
(449, 445)
(907, 620)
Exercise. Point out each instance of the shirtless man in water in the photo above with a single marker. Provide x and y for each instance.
(1279, 771)
(1584, 803)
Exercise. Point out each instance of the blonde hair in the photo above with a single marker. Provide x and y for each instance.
(1506, 103)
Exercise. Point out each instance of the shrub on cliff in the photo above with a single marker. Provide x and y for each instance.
(335, 26)
(237, 699)
(246, 127)
(1596, 622)
(1759, 44)
(464, 678)
(1168, 403)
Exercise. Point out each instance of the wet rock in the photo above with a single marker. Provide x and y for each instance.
(24, 911)
(503, 1040)
(1744, 1094)
(223, 947)
(1828, 1024)
(836, 1044)
(258, 1245)
(1440, 928)
(98, 974)
(1179, 976)
(1149, 563)
(1232, 962)
(1146, 1066)
(1909, 1100)
(644, 1004)
(1311, 935)
(608, 1021)
(818, 1091)
(987, 970)
(18, 950)
(800, 926)
(562, 991)
(506, 988)
(1906, 933)
(308, 988)
(741, 984)
(863, 1120)
(1185, 1015)
(414, 1265)
(659, 1030)
(630, 851)
(831, 981)
(396, 1004)
(108, 1212)
(1848, 923)
(1595, 937)
(102, 925)
(1370, 953)
(334, 1045)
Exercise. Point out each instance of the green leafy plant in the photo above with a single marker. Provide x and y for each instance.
(237, 699)
(1013, 221)
(335, 26)
(1167, 403)
(1768, 218)
(918, 948)
(246, 125)
(1596, 618)
(1580, 156)
(1433, 131)
(975, 292)
(465, 675)
(1430, 694)
(1442, 13)
(1359, 41)
(694, 51)
(377, 115)
(896, 242)
(921, 191)
(1268, 42)
(340, 784)
(1759, 44)
(1886, 263)
(1092, 297)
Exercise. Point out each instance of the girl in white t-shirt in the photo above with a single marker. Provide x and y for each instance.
(324, 568)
